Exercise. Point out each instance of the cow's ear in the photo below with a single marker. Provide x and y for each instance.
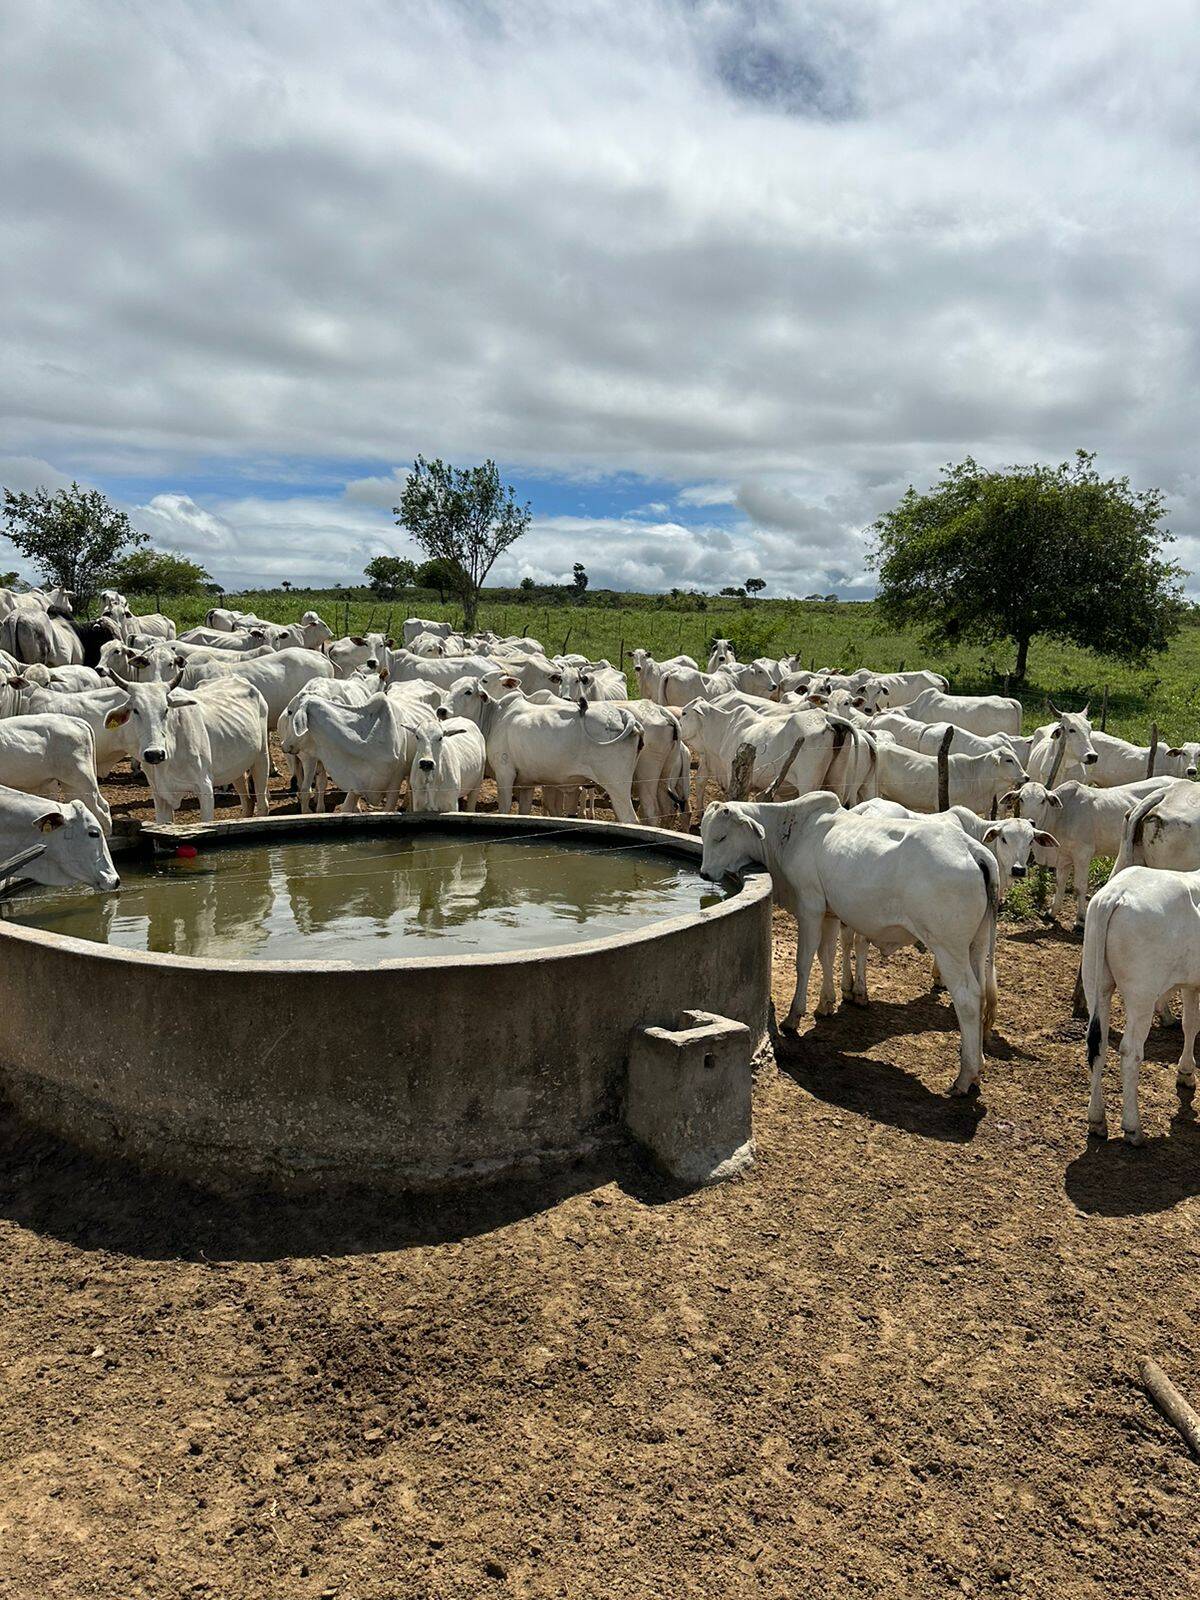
(117, 719)
(1046, 840)
(391, 643)
(510, 682)
(49, 822)
(178, 698)
(357, 638)
(755, 827)
(450, 732)
(1056, 732)
(991, 833)
(1054, 799)
(859, 701)
(1174, 753)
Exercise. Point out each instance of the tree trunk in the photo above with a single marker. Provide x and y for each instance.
(1022, 658)
(470, 605)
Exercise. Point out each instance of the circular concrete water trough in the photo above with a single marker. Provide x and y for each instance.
(411, 1073)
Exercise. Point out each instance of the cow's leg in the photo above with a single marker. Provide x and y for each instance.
(1062, 872)
(524, 799)
(472, 799)
(206, 798)
(88, 790)
(963, 984)
(164, 806)
(1079, 872)
(243, 793)
(827, 1002)
(622, 804)
(260, 776)
(320, 785)
(809, 920)
(505, 774)
(848, 938)
(349, 806)
(1139, 1013)
(1102, 1003)
(1185, 1073)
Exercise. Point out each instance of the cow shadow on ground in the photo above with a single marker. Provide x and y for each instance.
(821, 1061)
(103, 1203)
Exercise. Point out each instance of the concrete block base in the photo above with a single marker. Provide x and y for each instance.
(687, 1098)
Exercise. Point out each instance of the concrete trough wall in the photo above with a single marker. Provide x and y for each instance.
(412, 1074)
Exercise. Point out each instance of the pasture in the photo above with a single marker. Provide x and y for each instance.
(896, 1357)
(846, 635)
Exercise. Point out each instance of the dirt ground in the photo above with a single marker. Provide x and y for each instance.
(897, 1358)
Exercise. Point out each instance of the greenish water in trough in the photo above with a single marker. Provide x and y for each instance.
(376, 897)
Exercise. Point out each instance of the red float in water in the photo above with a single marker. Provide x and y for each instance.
(187, 852)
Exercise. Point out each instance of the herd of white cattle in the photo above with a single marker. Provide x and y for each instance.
(896, 812)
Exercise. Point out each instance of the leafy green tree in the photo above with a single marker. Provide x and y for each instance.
(579, 580)
(463, 515)
(387, 575)
(528, 585)
(7, 579)
(755, 586)
(157, 572)
(1026, 551)
(72, 536)
(447, 577)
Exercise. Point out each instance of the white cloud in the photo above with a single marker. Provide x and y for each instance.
(785, 254)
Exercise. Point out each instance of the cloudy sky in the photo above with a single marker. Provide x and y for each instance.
(712, 280)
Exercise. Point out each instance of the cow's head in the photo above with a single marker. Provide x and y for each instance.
(1073, 734)
(732, 838)
(146, 716)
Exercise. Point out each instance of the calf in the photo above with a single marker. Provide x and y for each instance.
(896, 882)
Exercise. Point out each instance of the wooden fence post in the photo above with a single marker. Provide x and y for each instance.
(741, 773)
(943, 770)
(1153, 749)
(1104, 711)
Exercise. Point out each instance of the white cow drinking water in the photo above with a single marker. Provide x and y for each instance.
(896, 882)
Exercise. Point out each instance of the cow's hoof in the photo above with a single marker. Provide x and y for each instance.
(858, 999)
(960, 1091)
(937, 988)
(1098, 1130)
(825, 1008)
(1185, 1080)
(1049, 918)
(1133, 1136)
(1077, 926)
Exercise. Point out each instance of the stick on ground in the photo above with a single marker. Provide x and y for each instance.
(1171, 1403)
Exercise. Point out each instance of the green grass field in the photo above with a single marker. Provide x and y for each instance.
(842, 635)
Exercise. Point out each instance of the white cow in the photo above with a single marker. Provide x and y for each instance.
(448, 765)
(1064, 748)
(89, 705)
(418, 625)
(1086, 822)
(277, 677)
(600, 680)
(36, 635)
(359, 650)
(192, 742)
(564, 746)
(721, 655)
(1011, 840)
(150, 625)
(896, 882)
(1121, 762)
(45, 749)
(681, 685)
(404, 667)
(716, 730)
(983, 713)
(927, 737)
(367, 750)
(902, 687)
(650, 672)
(75, 850)
(1163, 831)
(975, 781)
(308, 772)
(1141, 939)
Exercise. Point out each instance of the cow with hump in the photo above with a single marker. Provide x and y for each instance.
(896, 882)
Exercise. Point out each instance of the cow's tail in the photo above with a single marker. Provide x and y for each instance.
(679, 783)
(834, 779)
(629, 725)
(1131, 832)
(1094, 970)
(983, 945)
